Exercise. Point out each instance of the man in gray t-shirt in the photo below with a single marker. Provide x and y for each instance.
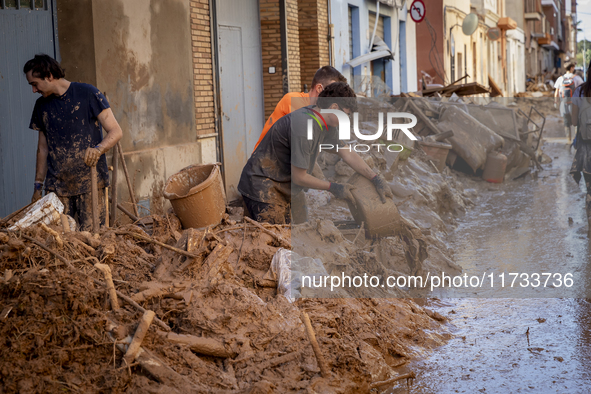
(282, 164)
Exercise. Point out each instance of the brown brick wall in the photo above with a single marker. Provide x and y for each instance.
(271, 50)
(271, 43)
(293, 46)
(202, 67)
(313, 26)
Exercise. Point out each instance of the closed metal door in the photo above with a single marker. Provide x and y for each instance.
(241, 85)
(26, 28)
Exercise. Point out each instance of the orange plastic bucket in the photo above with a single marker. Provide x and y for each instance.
(494, 168)
(197, 195)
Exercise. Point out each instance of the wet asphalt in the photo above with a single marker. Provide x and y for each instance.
(520, 339)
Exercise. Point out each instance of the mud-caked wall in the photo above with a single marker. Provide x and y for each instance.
(143, 60)
(76, 40)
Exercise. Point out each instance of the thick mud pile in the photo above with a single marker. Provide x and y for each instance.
(220, 325)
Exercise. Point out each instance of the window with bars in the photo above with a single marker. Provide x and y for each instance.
(23, 4)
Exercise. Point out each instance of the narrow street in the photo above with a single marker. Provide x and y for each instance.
(522, 226)
(295, 196)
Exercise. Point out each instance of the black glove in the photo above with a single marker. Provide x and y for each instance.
(382, 188)
(342, 190)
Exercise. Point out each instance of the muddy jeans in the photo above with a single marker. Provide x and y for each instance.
(80, 208)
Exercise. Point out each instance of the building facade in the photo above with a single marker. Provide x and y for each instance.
(354, 23)
(190, 81)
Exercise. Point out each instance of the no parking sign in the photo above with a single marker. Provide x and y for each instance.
(417, 11)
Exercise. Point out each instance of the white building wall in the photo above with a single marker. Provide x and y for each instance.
(515, 61)
(340, 19)
(411, 52)
(339, 10)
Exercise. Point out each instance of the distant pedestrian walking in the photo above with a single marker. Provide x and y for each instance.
(565, 86)
(581, 118)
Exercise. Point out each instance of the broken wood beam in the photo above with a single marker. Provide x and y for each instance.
(65, 223)
(441, 136)
(201, 345)
(214, 262)
(416, 110)
(58, 239)
(375, 385)
(278, 360)
(106, 270)
(282, 240)
(107, 207)
(157, 369)
(458, 80)
(166, 246)
(266, 282)
(142, 309)
(241, 227)
(138, 337)
(129, 186)
(83, 245)
(156, 289)
(495, 90)
(317, 352)
(125, 211)
(115, 163)
(95, 204)
(87, 237)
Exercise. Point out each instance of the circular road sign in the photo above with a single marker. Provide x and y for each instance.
(494, 33)
(417, 11)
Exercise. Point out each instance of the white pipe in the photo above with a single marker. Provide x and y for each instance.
(375, 25)
(330, 34)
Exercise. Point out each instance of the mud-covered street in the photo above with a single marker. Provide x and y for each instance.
(308, 197)
(523, 345)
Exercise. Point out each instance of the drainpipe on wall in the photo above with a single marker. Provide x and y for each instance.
(284, 52)
(216, 83)
(375, 26)
(330, 35)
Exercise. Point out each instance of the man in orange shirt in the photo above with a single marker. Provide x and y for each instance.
(294, 101)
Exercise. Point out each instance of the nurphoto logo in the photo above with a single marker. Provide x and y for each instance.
(345, 130)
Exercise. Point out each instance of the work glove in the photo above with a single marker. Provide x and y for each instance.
(92, 156)
(342, 190)
(382, 188)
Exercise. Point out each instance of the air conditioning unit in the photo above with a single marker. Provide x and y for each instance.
(394, 3)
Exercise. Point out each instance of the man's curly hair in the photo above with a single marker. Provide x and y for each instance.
(340, 93)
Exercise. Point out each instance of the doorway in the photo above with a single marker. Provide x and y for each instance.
(26, 29)
(241, 85)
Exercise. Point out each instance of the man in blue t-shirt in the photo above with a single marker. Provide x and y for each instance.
(70, 117)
